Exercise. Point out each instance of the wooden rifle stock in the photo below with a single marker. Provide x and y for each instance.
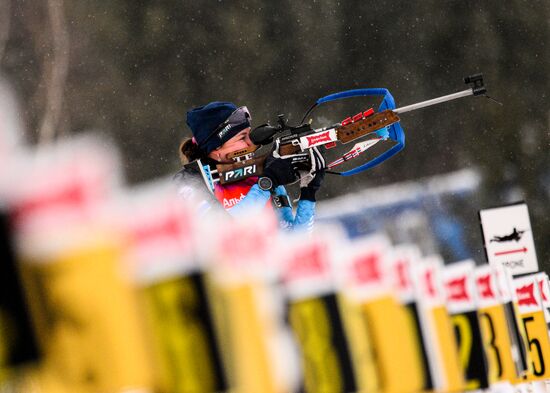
(235, 171)
(351, 131)
(357, 129)
(289, 149)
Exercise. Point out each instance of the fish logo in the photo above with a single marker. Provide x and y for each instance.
(308, 263)
(367, 268)
(526, 295)
(485, 288)
(456, 289)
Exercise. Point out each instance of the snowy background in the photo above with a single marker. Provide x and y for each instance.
(131, 69)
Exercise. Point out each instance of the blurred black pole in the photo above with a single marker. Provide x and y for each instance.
(18, 345)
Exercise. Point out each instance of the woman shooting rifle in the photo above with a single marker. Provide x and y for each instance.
(222, 128)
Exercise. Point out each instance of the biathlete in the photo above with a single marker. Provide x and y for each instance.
(221, 128)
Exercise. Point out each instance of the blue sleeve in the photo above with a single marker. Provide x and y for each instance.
(258, 198)
(255, 199)
(305, 215)
(284, 214)
(304, 218)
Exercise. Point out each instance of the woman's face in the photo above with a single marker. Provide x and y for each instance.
(238, 142)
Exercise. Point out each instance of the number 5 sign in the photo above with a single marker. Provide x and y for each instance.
(533, 322)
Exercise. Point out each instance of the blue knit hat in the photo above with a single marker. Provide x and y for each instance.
(204, 120)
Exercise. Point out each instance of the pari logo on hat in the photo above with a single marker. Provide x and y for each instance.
(217, 122)
(224, 131)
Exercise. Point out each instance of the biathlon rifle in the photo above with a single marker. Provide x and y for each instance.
(366, 129)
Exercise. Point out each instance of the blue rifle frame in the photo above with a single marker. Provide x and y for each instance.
(395, 130)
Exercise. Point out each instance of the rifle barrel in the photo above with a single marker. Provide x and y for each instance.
(434, 101)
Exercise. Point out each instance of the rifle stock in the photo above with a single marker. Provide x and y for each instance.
(351, 131)
(288, 149)
(229, 173)
(375, 122)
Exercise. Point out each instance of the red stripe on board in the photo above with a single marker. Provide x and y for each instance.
(524, 249)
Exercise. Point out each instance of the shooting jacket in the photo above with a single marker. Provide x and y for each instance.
(240, 197)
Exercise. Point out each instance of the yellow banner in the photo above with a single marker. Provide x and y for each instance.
(470, 350)
(497, 344)
(362, 351)
(396, 346)
(537, 342)
(6, 331)
(245, 329)
(447, 349)
(186, 353)
(86, 319)
(326, 359)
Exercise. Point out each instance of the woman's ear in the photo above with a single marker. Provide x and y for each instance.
(215, 155)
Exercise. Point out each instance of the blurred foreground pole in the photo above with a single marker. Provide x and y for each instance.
(55, 72)
(83, 308)
(248, 306)
(391, 325)
(18, 345)
(172, 288)
(86, 317)
(316, 316)
(19, 352)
